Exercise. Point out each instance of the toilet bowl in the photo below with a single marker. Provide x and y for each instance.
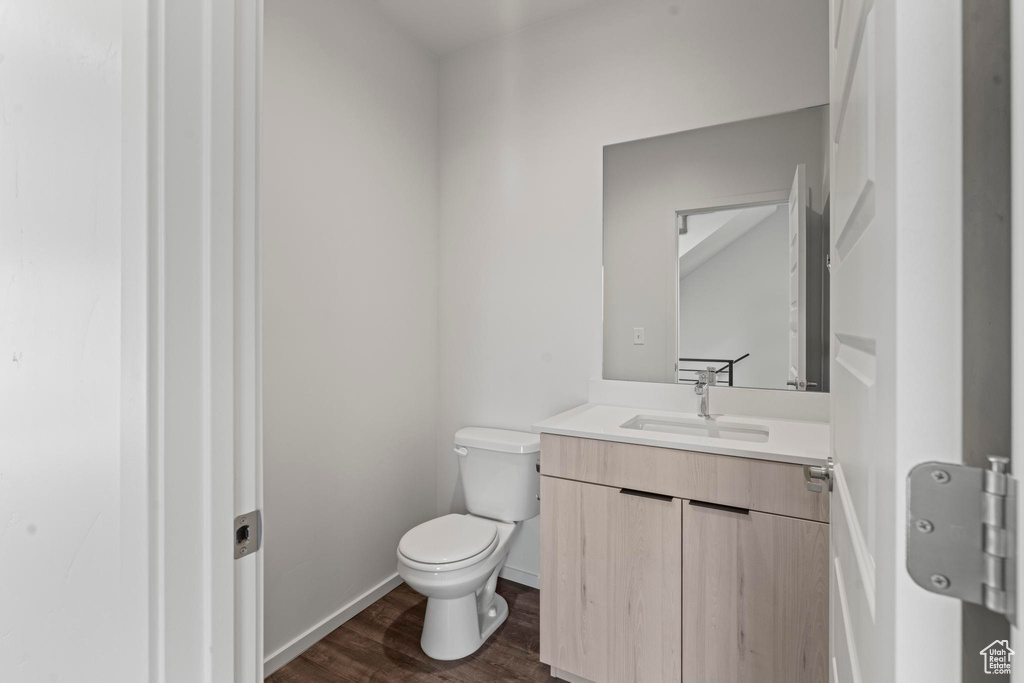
(454, 560)
(463, 609)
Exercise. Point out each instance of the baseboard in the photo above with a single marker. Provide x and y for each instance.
(519, 576)
(307, 639)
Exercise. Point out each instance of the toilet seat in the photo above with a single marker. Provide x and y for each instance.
(448, 543)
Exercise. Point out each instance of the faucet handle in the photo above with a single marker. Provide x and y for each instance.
(705, 378)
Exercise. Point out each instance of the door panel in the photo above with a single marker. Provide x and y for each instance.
(755, 588)
(862, 311)
(610, 583)
(862, 305)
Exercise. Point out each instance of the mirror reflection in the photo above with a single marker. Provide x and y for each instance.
(742, 299)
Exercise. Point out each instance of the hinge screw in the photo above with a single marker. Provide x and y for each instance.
(940, 581)
(924, 526)
(940, 476)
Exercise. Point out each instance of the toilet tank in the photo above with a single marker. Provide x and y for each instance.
(499, 472)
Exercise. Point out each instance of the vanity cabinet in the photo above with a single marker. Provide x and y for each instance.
(668, 565)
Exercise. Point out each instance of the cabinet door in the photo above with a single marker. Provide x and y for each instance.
(755, 597)
(610, 579)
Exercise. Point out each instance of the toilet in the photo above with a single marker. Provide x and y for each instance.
(454, 560)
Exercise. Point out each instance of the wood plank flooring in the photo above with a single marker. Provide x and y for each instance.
(382, 644)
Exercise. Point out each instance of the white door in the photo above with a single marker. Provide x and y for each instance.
(896, 347)
(799, 201)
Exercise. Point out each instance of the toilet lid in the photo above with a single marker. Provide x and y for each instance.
(448, 539)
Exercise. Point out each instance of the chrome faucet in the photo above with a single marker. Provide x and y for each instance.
(705, 380)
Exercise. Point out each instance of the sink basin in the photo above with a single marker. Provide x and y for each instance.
(709, 428)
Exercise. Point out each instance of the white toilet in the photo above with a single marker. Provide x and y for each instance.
(454, 560)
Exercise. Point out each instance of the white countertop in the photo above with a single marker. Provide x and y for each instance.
(792, 441)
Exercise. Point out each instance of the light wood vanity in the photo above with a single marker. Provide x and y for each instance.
(660, 564)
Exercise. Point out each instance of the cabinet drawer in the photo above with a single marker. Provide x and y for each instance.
(762, 485)
(610, 606)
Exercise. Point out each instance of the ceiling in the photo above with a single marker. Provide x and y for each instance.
(444, 26)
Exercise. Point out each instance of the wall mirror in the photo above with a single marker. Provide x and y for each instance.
(715, 254)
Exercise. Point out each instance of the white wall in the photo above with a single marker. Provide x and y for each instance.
(63, 611)
(646, 182)
(523, 123)
(737, 302)
(350, 316)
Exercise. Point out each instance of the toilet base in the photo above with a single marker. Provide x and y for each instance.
(453, 629)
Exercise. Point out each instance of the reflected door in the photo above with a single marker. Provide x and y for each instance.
(798, 205)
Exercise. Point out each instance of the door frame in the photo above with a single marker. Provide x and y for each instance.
(191, 366)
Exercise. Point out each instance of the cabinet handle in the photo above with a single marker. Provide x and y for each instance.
(716, 506)
(645, 494)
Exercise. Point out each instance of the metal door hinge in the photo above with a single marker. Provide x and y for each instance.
(248, 534)
(961, 536)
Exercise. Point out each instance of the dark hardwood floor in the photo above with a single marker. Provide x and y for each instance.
(382, 643)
